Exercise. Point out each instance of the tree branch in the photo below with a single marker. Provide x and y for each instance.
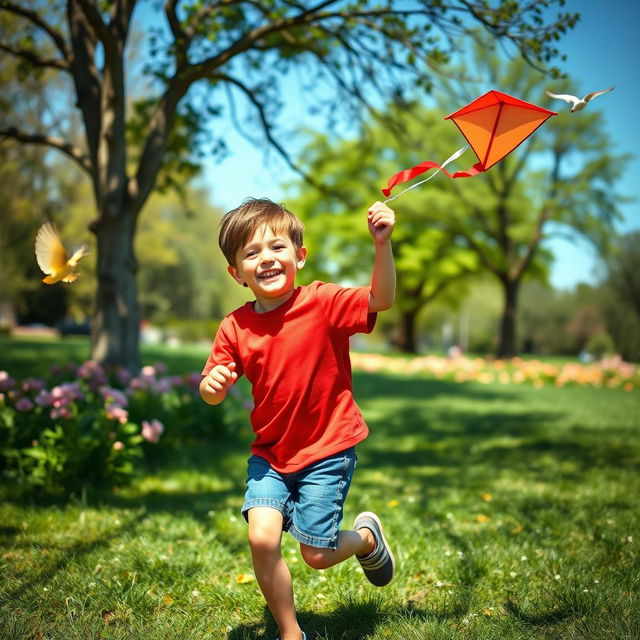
(95, 20)
(266, 127)
(71, 150)
(34, 59)
(39, 22)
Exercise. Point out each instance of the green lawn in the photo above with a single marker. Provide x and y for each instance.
(513, 512)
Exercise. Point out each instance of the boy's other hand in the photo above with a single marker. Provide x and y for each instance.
(381, 221)
(221, 377)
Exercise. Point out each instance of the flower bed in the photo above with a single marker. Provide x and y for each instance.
(85, 425)
(611, 372)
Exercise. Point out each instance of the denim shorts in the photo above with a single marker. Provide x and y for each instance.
(310, 500)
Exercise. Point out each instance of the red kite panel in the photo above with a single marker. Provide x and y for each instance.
(494, 125)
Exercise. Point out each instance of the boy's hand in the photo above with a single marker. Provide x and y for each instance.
(220, 378)
(381, 221)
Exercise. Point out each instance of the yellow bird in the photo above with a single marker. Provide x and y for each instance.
(52, 257)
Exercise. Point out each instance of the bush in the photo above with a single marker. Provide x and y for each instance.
(600, 345)
(83, 425)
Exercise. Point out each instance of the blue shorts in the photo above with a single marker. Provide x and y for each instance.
(310, 500)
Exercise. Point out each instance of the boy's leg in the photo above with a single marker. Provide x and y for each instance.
(367, 543)
(272, 573)
(350, 543)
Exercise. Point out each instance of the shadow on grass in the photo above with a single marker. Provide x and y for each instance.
(440, 437)
(353, 619)
(480, 429)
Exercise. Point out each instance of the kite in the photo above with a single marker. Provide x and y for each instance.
(493, 125)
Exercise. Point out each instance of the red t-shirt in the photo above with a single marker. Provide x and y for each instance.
(297, 360)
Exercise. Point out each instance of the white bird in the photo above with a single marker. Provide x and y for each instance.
(576, 103)
(52, 257)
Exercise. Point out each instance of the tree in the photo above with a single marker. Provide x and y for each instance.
(561, 180)
(621, 288)
(208, 54)
(29, 193)
(429, 262)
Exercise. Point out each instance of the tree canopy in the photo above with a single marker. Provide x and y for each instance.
(203, 59)
(561, 180)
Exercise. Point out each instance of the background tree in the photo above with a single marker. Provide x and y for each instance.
(561, 180)
(29, 192)
(621, 294)
(428, 260)
(207, 54)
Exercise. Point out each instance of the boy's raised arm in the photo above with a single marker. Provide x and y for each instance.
(381, 220)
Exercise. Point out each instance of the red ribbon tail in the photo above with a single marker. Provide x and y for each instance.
(408, 174)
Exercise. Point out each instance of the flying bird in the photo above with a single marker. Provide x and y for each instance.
(576, 103)
(52, 257)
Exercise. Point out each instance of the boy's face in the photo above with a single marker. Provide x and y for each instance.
(268, 263)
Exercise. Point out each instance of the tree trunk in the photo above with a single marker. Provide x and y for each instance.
(507, 340)
(116, 325)
(406, 332)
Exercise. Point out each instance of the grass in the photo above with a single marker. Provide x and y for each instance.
(513, 512)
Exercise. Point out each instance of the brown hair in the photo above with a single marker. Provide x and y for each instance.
(239, 224)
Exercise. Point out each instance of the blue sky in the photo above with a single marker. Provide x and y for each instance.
(602, 51)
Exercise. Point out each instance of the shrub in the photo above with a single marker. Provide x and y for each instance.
(86, 426)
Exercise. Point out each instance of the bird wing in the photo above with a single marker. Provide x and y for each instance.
(563, 96)
(592, 95)
(50, 253)
(78, 254)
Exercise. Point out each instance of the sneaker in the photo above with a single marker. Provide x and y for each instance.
(380, 564)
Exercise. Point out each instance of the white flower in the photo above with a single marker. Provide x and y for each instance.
(556, 577)
(513, 574)
(524, 558)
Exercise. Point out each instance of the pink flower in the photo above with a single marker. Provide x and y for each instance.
(6, 381)
(66, 393)
(151, 431)
(44, 399)
(114, 412)
(124, 376)
(60, 412)
(118, 446)
(24, 404)
(160, 367)
(113, 396)
(33, 384)
(148, 371)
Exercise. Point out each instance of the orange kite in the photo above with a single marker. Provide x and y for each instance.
(494, 125)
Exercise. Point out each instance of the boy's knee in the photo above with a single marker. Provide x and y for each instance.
(264, 539)
(316, 558)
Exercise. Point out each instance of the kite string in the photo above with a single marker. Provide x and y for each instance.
(451, 158)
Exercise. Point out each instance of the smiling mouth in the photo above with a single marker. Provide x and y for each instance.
(269, 274)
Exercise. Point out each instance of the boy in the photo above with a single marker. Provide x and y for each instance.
(292, 343)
